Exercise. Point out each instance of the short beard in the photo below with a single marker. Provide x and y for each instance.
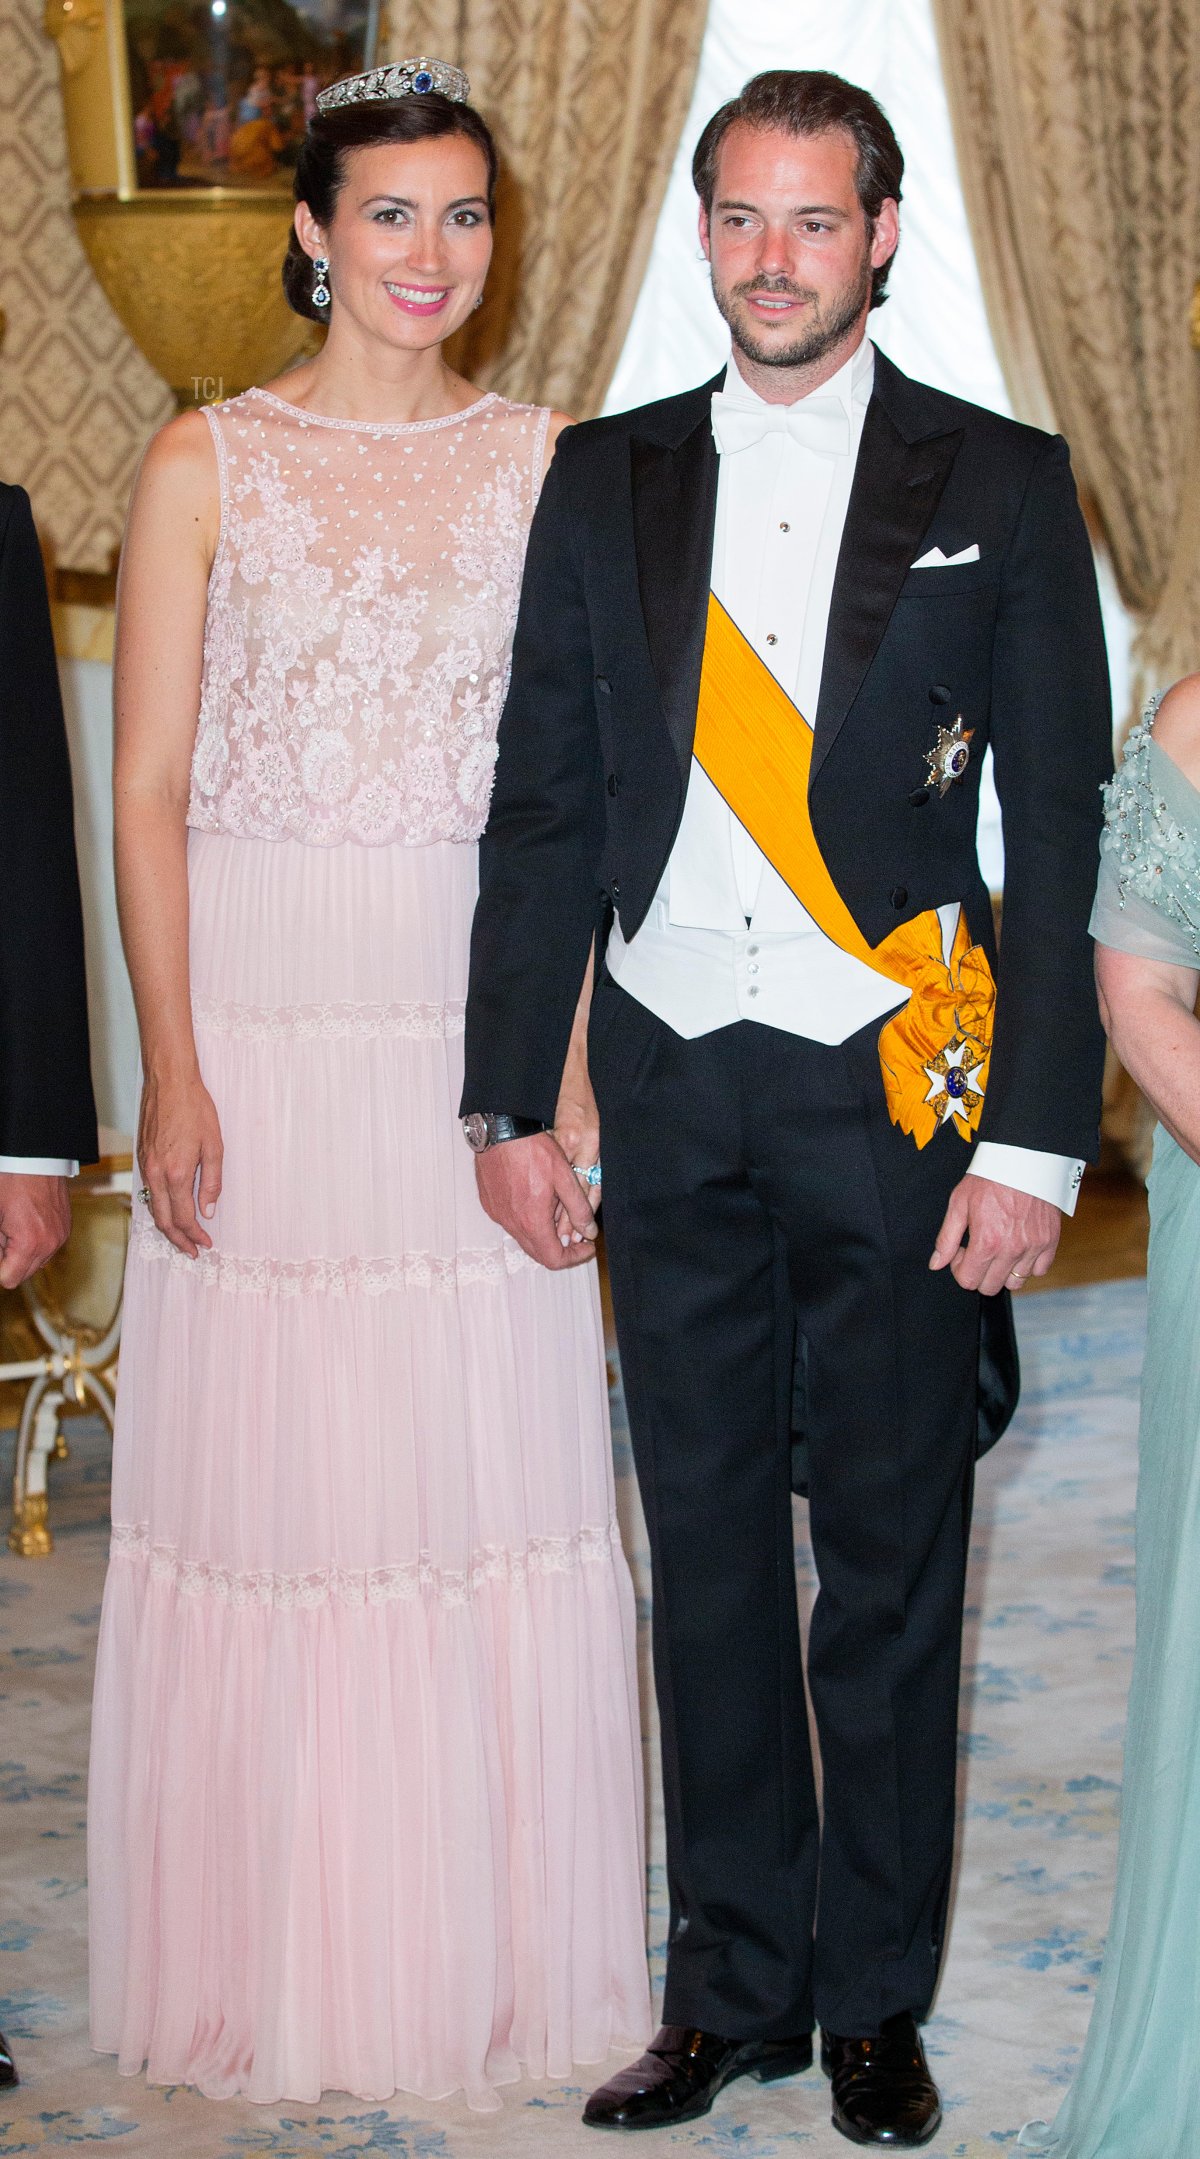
(824, 331)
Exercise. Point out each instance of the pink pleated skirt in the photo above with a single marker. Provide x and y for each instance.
(365, 1797)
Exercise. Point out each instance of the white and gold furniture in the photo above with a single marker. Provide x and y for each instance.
(78, 1364)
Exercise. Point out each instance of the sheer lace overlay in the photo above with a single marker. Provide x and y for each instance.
(1148, 894)
(1149, 841)
(360, 618)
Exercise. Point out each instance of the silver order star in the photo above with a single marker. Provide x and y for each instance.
(950, 755)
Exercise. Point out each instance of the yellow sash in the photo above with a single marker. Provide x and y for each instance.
(756, 748)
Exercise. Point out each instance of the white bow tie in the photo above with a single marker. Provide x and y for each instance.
(818, 423)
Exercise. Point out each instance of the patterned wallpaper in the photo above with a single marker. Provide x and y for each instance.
(77, 400)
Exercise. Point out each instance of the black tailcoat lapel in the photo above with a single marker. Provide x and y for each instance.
(903, 465)
(674, 480)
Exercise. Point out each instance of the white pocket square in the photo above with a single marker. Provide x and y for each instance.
(935, 560)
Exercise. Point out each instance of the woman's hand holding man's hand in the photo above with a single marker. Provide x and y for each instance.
(179, 1139)
(577, 1130)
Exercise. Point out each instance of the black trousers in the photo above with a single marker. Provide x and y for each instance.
(751, 1177)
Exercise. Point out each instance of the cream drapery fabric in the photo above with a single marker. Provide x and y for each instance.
(587, 99)
(1077, 124)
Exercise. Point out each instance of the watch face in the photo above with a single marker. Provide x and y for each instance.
(475, 1131)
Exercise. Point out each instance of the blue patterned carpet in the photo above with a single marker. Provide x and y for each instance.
(1049, 1642)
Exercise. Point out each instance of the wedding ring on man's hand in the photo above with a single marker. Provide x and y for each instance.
(590, 1175)
(1015, 1277)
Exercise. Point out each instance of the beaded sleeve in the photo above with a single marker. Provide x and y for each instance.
(1148, 898)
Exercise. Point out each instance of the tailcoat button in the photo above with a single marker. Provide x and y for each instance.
(919, 798)
(939, 694)
(899, 896)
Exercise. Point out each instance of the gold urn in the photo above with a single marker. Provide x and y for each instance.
(183, 121)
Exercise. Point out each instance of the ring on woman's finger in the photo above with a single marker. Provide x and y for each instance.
(145, 1195)
(588, 1175)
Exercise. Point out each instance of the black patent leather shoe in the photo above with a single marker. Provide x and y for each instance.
(8, 2067)
(681, 2073)
(882, 2090)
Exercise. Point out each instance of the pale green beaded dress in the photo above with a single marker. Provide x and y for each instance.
(1136, 2094)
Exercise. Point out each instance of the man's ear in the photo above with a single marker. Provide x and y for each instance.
(885, 238)
(705, 240)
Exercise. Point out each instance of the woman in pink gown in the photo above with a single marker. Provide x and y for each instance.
(365, 1805)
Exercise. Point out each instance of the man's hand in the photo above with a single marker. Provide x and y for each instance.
(524, 1185)
(35, 1221)
(1009, 1236)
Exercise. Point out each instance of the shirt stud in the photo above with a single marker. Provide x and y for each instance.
(771, 638)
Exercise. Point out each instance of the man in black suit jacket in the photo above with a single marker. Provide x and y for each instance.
(47, 1115)
(756, 1166)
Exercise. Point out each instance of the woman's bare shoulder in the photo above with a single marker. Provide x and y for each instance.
(1177, 726)
(178, 483)
(180, 451)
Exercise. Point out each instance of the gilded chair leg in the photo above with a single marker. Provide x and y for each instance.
(29, 1536)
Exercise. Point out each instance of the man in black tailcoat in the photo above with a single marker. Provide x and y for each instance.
(768, 629)
(47, 1115)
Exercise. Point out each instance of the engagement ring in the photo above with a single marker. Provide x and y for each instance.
(589, 1176)
(145, 1195)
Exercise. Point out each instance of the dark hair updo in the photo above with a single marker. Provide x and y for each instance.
(321, 165)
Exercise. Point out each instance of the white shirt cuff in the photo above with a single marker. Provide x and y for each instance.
(37, 1165)
(1053, 1177)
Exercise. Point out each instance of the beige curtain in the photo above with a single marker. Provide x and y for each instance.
(1078, 131)
(588, 100)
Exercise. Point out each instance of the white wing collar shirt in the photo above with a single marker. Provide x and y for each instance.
(726, 938)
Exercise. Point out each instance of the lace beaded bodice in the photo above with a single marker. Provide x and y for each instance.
(360, 617)
(1148, 897)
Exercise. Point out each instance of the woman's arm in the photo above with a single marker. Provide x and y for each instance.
(1149, 1006)
(1148, 1009)
(577, 1119)
(170, 541)
(554, 428)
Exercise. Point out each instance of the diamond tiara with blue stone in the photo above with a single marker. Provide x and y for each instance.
(406, 78)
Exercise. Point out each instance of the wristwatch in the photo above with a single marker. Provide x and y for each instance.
(486, 1128)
